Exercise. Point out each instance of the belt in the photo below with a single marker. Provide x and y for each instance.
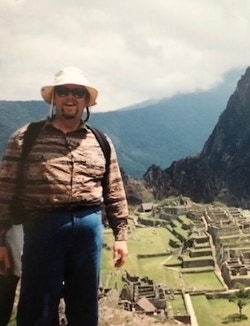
(71, 207)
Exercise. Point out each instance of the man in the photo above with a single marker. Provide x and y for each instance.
(62, 193)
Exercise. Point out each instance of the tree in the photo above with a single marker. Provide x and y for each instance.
(240, 297)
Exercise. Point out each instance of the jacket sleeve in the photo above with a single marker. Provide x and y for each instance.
(115, 201)
(10, 168)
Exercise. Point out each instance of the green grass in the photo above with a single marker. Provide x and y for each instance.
(227, 313)
(142, 241)
(179, 228)
(178, 305)
(173, 278)
(154, 265)
(204, 312)
(150, 240)
(219, 312)
(184, 219)
(202, 281)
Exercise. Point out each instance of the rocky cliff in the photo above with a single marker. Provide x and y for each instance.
(227, 150)
(222, 170)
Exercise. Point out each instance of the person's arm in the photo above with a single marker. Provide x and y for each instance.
(116, 208)
(4, 256)
(8, 176)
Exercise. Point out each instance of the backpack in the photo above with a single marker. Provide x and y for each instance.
(30, 135)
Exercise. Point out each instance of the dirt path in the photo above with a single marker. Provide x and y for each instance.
(190, 309)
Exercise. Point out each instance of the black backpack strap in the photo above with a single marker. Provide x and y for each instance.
(102, 140)
(30, 136)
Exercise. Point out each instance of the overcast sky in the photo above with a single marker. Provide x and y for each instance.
(131, 50)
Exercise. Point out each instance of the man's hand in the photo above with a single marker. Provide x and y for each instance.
(4, 260)
(120, 253)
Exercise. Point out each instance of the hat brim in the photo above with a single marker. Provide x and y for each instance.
(47, 92)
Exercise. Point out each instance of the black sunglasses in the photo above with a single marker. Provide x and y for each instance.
(64, 91)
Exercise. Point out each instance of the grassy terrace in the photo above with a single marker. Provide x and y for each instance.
(143, 241)
(178, 305)
(167, 269)
(218, 312)
(202, 281)
(184, 219)
(150, 241)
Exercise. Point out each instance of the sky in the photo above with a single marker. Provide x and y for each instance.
(131, 51)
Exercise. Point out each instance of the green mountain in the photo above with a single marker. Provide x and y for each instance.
(154, 132)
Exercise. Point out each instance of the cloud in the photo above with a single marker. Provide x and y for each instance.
(131, 50)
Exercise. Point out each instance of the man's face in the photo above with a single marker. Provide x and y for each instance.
(70, 101)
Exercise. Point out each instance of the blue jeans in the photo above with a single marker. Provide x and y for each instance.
(61, 247)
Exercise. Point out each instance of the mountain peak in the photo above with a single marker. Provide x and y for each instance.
(222, 170)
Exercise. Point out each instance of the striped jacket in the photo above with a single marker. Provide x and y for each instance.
(60, 169)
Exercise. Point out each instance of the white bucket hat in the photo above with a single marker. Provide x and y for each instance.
(69, 75)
